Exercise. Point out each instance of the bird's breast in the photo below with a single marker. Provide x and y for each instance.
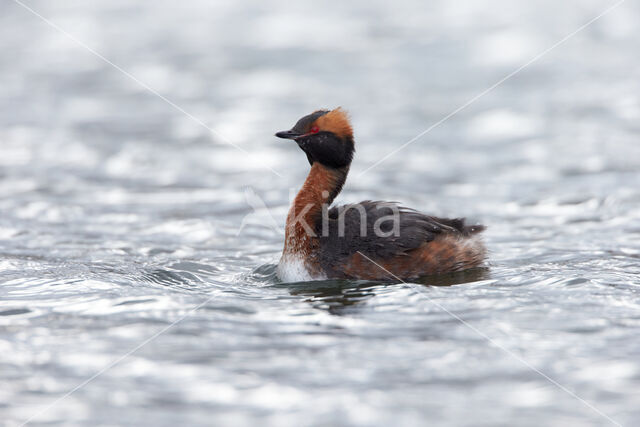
(295, 268)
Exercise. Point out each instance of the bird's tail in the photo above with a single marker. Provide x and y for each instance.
(459, 225)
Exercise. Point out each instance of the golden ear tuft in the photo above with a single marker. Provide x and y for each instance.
(336, 121)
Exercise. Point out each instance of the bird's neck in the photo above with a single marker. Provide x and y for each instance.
(320, 188)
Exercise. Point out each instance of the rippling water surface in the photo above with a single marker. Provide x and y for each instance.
(135, 273)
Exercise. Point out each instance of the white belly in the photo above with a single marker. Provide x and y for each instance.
(292, 268)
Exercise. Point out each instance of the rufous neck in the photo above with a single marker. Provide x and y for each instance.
(320, 188)
(323, 184)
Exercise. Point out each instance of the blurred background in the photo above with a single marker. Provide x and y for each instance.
(136, 137)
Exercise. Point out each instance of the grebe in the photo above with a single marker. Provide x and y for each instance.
(369, 240)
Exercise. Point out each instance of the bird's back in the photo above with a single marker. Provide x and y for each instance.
(382, 240)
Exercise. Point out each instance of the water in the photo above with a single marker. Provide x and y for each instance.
(121, 262)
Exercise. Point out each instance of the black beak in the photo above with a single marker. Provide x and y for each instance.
(288, 134)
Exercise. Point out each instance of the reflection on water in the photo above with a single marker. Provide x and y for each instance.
(333, 295)
(120, 214)
(456, 278)
(337, 295)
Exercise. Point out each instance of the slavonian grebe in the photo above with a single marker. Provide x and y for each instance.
(367, 240)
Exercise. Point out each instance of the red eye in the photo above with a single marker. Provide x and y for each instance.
(314, 129)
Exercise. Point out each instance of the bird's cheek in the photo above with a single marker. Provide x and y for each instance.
(304, 143)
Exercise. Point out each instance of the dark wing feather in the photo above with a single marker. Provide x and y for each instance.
(413, 229)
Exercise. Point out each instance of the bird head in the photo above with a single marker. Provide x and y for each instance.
(325, 136)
